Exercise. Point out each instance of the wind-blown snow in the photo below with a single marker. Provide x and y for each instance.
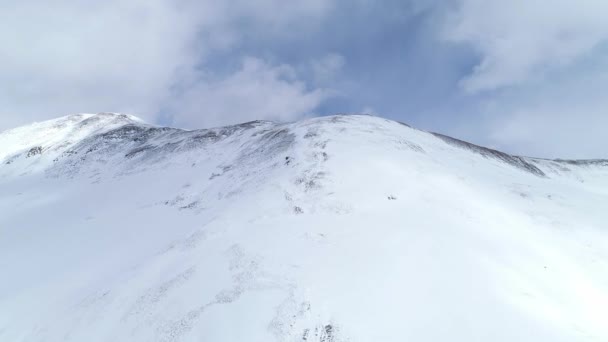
(343, 228)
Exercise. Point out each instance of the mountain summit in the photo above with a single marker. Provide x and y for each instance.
(332, 229)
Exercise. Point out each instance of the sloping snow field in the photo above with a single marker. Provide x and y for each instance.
(333, 229)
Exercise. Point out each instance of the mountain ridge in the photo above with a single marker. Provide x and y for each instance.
(117, 122)
(333, 229)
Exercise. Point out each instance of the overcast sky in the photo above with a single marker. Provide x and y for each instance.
(524, 76)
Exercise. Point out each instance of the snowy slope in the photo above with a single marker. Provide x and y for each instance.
(343, 228)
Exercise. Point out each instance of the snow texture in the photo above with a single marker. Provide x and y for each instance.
(332, 229)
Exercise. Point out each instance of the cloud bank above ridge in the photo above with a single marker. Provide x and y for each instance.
(523, 76)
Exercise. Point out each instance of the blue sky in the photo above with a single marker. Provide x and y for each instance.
(526, 77)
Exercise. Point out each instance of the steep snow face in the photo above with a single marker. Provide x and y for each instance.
(343, 228)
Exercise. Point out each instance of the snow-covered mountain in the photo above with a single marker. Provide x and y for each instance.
(333, 229)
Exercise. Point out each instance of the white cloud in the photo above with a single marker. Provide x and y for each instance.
(541, 63)
(521, 40)
(552, 132)
(538, 88)
(123, 56)
(107, 56)
(257, 90)
(564, 117)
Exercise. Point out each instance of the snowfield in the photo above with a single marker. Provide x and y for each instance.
(332, 229)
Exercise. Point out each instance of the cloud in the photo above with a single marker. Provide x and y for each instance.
(524, 76)
(257, 90)
(536, 85)
(552, 132)
(521, 40)
(563, 117)
(324, 70)
(70, 57)
(124, 56)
